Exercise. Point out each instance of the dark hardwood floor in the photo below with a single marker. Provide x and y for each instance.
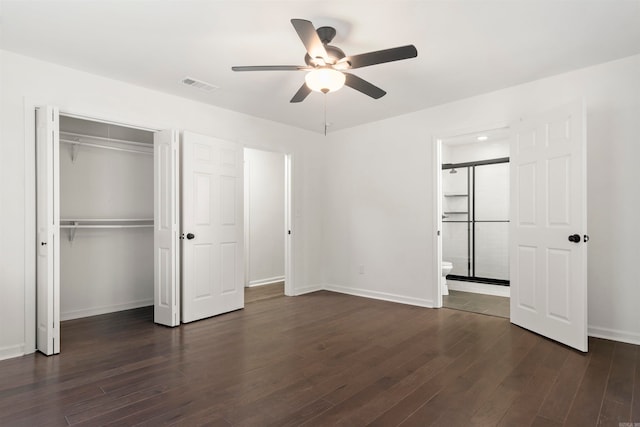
(319, 359)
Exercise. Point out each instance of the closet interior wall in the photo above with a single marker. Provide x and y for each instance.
(106, 217)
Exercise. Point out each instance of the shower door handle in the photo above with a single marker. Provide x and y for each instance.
(575, 238)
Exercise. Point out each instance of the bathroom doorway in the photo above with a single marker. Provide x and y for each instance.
(474, 215)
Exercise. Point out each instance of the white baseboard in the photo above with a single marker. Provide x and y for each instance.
(11, 351)
(384, 296)
(614, 335)
(95, 311)
(479, 288)
(308, 289)
(267, 281)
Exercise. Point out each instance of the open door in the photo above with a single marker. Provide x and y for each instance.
(548, 265)
(166, 212)
(212, 227)
(48, 231)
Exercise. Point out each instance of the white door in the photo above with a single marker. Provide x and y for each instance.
(212, 227)
(48, 231)
(548, 272)
(166, 258)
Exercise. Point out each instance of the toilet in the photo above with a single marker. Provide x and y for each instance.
(446, 269)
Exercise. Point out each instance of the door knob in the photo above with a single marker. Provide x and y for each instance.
(190, 236)
(575, 238)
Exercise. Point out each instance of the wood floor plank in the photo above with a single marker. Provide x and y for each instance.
(318, 359)
(436, 396)
(635, 405)
(588, 402)
(524, 409)
(616, 405)
(559, 400)
(545, 422)
(483, 379)
(467, 351)
(515, 385)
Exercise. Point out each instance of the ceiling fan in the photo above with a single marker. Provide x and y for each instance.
(326, 64)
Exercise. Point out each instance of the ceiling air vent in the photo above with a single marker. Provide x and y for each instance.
(199, 84)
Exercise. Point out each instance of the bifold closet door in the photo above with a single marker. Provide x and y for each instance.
(48, 230)
(212, 227)
(166, 277)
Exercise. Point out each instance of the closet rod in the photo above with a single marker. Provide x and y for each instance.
(106, 219)
(107, 147)
(102, 138)
(109, 226)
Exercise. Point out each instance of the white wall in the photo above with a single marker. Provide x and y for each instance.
(380, 191)
(105, 270)
(27, 82)
(476, 151)
(264, 216)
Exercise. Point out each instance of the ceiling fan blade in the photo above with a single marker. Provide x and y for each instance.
(363, 86)
(382, 56)
(310, 39)
(271, 68)
(301, 94)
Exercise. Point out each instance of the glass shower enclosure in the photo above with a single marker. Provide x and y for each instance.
(475, 220)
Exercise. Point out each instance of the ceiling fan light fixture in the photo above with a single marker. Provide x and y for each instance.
(325, 80)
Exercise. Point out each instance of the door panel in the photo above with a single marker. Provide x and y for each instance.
(48, 230)
(548, 203)
(559, 190)
(558, 283)
(166, 307)
(213, 266)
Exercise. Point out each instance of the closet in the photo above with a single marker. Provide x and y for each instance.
(106, 203)
(128, 218)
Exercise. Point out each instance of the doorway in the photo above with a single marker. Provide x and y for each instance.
(474, 221)
(265, 223)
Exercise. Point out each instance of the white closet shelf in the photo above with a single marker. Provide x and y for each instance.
(74, 224)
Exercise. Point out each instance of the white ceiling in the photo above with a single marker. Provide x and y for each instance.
(464, 47)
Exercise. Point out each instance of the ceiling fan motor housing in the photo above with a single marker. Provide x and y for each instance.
(334, 53)
(326, 34)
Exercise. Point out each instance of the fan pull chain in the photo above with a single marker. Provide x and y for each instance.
(325, 114)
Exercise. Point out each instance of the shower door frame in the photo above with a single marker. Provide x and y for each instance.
(471, 220)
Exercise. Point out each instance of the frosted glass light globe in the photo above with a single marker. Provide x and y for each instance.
(324, 80)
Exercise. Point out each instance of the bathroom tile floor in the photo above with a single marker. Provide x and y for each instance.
(477, 303)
